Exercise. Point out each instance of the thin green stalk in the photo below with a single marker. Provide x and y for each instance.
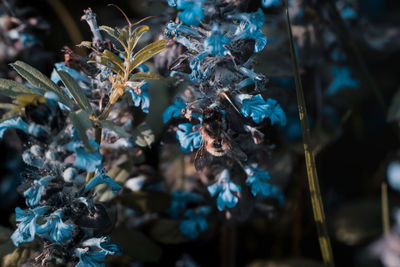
(385, 209)
(97, 137)
(316, 199)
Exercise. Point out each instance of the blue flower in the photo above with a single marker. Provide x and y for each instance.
(256, 180)
(26, 228)
(85, 160)
(224, 188)
(18, 123)
(270, 3)
(251, 28)
(102, 178)
(104, 244)
(90, 258)
(177, 29)
(216, 43)
(55, 229)
(192, 12)
(180, 200)
(29, 158)
(195, 223)
(259, 109)
(393, 175)
(341, 79)
(34, 193)
(140, 97)
(258, 79)
(189, 137)
(348, 13)
(174, 110)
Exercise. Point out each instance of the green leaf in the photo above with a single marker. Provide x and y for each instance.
(75, 91)
(115, 128)
(113, 33)
(7, 106)
(136, 35)
(146, 53)
(145, 76)
(144, 136)
(145, 201)
(80, 120)
(40, 81)
(136, 245)
(116, 60)
(9, 115)
(13, 89)
(167, 231)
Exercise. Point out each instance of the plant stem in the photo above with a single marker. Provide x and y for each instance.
(315, 194)
(385, 209)
(97, 137)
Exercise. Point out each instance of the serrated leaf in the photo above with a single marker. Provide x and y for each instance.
(167, 231)
(145, 76)
(86, 44)
(80, 120)
(145, 201)
(136, 245)
(144, 136)
(116, 60)
(113, 127)
(75, 91)
(146, 53)
(7, 106)
(40, 81)
(13, 89)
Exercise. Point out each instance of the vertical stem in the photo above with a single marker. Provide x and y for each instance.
(316, 199)
(385, 209)
(97, 137)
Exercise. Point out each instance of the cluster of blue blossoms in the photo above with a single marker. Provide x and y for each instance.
(225, 105)
(60, 203)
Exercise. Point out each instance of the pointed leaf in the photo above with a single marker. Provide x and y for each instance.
(113, 33)
(80, 120)
(136, 35)
(39, 80)
(75, 91)
(146, 53)
(116, 60)
(12, 89)
(118, 129)
(145, 76)
(86, 44)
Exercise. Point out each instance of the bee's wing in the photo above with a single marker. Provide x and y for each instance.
(200, 160)
(235, 150)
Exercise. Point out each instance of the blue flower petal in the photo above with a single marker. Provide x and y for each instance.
(259, 109)
(393, 175)
(174, 110)
(34, 193)
(18, 123)
(341, 79)
(195, 222)
(141, 100)
(55, 229)
(90, 258)
(224, 188)
(189, 137)
(26, 228)
(192, 12)
(85, 160)
(104, 244)
(102, 178)
(270, 3)
(216, 43)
